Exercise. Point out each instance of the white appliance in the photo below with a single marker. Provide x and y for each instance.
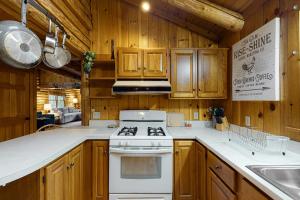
(141, 157)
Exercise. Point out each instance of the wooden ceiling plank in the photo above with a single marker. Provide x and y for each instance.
(170, 16)
(211, 12)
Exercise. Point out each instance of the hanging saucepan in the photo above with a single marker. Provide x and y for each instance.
(68, 54)
(57, 59)
(50, 41)
(19, 46)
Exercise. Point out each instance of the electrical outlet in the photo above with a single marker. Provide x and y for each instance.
(196, 115)
(247, 121)
(96, 115)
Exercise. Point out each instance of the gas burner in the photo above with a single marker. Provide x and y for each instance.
(156, 131)
(128, 131)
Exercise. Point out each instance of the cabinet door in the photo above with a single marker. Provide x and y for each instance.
(184, 169)
(249, 192)
(76, 173)
(100, 170)
(155, 63)
(57, 180)
(183, 73)
(200, 172)
(216, 189)
(212, 73)
(130, 62)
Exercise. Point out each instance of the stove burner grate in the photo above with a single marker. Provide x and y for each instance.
(128, 131)
(156, 131)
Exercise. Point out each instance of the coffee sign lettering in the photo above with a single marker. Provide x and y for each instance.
(255, 65)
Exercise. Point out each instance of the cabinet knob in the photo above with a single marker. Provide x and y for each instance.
(218, 167)
(72, 164)
(68, 167)
(177, 151)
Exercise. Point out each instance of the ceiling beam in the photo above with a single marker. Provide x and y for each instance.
(172, 17)
(211, 12)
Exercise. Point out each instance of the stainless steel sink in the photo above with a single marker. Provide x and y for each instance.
(285, 178)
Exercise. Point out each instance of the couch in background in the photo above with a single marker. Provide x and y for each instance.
(68, 114)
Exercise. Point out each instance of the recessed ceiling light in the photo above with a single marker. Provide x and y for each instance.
(145, 6)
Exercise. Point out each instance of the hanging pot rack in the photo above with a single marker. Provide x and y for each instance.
(42, 10)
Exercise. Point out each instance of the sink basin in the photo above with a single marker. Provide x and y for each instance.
(285, 178)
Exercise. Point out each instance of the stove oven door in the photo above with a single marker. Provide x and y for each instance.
(140, 170)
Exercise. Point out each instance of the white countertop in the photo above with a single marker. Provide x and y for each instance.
(22, 156)
(238, 157)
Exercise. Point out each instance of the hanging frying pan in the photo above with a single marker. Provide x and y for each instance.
(67, 52)
(19, 46)
(57, 59)
(50, 40)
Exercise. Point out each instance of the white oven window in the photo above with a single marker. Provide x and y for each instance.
(140, 167)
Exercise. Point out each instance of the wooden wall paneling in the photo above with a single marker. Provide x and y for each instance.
(143, 30)
(291, 103)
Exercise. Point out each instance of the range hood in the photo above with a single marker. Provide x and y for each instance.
(142, 87)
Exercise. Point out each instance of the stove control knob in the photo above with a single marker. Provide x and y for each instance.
(126, 143)
(159, 144)
(120, 143)
(152, 144)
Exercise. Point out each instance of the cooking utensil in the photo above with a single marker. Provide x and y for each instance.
(68, 54)
(50, 41)
(57, 59)
(19, 46)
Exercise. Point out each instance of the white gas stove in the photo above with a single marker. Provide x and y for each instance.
(141, 157)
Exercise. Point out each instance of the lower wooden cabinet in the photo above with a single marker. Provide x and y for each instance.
(250, 192)
(64, 177)
(200, 172)
(100, 170)
(184, 170)
(216, 189)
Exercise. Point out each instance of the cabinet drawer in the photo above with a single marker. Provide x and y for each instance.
(226, 173)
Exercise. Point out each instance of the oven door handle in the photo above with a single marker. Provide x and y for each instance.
(140, 151)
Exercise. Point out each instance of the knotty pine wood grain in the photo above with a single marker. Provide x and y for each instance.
(130, 27)
(273, 117)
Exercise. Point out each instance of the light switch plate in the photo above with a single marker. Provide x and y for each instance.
(196, 115)
(96, 115)
(247, 121)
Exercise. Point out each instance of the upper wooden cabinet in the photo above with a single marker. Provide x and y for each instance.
(199, 73)
(142, 63)
(212, 73)
(184, 170)
(155, 62)
(64, 177)
(184, 73)
(129, 62)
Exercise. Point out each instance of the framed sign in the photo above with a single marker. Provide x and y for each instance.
(255, 65)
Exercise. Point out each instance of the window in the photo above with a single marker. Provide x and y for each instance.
(56, 101)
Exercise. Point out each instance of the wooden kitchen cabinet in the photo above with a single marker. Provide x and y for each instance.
(100, 170)
(155, 62)
(129, 62)
(250, 192)
(200, 172)
(184, 170)
(76, 173)
(142, 63)
(184, 73)
(212, 73)
(216, 189)
(57, 180)
(64, 177)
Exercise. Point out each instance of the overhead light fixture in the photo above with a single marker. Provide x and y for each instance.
(145, 6)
